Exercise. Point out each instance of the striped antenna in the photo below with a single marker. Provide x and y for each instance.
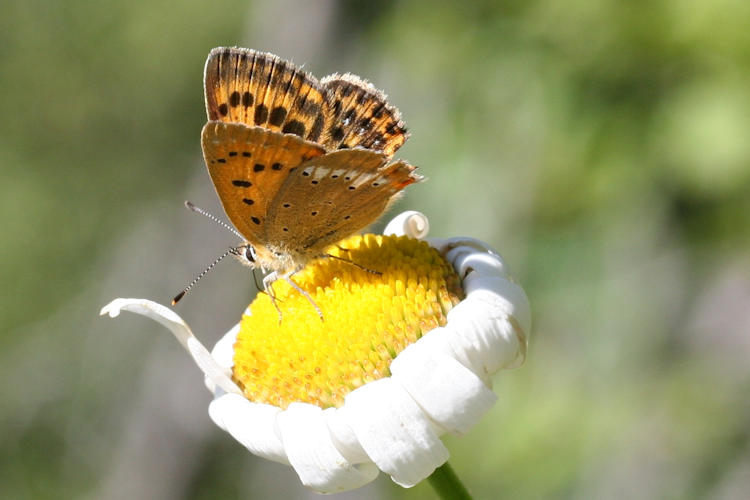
(231, 251)
(220, 222)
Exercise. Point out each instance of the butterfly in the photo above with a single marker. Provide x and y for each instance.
(297, 163)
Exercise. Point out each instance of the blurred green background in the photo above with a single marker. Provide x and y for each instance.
(601, 147)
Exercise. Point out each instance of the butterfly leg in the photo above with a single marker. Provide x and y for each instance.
(268, 288)
(288, 279)
(267, 285)
(349, 261)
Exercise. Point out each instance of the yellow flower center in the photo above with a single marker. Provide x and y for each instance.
(369, 318)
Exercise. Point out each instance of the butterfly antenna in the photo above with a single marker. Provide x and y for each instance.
(213, 218)
(179, 296)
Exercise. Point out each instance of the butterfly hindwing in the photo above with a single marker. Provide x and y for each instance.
(362, 116)
(332, 196)
(261, 89)
(248, 166)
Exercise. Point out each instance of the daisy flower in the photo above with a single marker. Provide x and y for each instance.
(412, 332)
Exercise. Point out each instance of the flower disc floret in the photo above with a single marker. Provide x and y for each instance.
(378, 294)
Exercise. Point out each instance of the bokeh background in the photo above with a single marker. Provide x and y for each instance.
(601, 147)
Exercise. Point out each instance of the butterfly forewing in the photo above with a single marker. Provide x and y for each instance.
(333, 196)
(260, 89)
(248, 166)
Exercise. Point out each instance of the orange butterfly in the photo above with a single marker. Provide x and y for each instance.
(298, 163)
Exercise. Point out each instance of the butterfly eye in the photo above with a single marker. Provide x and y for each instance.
(250, 254)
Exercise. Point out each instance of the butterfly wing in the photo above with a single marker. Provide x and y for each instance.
(260, 89)
(248, 166)
(270, 126)
(362, 116)
(332, 196)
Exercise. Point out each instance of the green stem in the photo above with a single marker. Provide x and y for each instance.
(447, 485)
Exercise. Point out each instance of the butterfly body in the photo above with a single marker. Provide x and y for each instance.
(298, 164)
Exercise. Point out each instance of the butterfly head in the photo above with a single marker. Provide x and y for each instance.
(245, 253)
(267, 259)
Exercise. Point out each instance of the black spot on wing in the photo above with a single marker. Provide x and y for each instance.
(277, 116)
(337, 134)
(261, 114)
(294, 127)
(316, 129)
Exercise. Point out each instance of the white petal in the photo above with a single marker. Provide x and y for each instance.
(410, 223)
(223, 351)
(252, 424)
(485, 338)
(467, 259)
(223, 354)
(344, 438)
(315, 458)
(181, 331)
(504, 295)
(445, 245)
(475, 262)
(394, 431)
(451, 394)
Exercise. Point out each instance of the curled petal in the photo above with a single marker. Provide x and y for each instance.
(343, 437)
(466, 259)
(252, 424)
(508, 297)
(444, 245)
(394, 431)
(223, 351)
(223, 354)
(492, 323)
(410, 223)
(452, 395)
(312, 453)
(181, 331)
(483, 337)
